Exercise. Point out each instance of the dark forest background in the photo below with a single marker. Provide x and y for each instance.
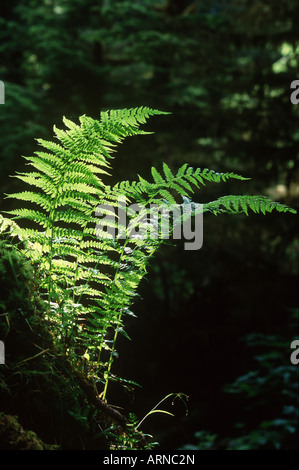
(215, 324)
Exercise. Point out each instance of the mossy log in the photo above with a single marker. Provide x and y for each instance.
(45, 403)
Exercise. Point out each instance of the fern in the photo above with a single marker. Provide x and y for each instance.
(88, 276)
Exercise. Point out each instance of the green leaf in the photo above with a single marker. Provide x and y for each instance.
(157, 177)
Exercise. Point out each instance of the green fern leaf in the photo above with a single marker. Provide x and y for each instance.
(157, 177)
(91, 279)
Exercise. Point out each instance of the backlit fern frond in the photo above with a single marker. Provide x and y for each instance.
(166, 185)
(91, 261)
(242, 204)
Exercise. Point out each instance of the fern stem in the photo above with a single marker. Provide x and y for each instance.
(51, 219)
(110, 360)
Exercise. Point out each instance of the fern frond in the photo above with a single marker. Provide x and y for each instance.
(57, 150)
(128, 119)
(157, 177)
(32, 215)
(167, 172)
(37, 198)
(91, 278)
(181, 183)
(39, 180)
(241, 204)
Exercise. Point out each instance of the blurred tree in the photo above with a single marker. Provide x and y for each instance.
(223, 68)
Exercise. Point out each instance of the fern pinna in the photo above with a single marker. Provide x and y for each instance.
(90, 277)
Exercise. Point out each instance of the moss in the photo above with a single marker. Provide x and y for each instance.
(14, 437)
(39, 389)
